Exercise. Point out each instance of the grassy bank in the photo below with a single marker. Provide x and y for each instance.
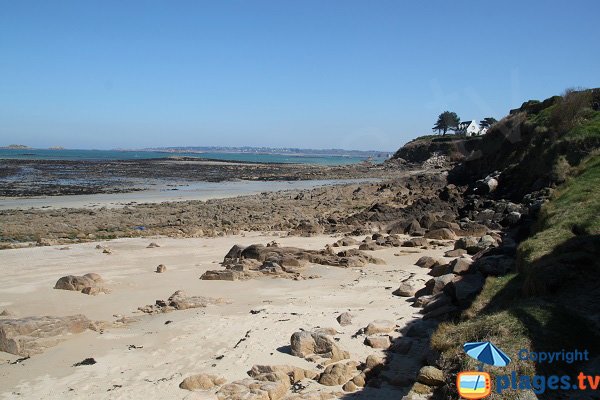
(552, 302)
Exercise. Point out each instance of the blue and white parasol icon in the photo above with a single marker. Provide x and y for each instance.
(486, 353)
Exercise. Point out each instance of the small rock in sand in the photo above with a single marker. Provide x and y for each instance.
(344, 319)
(152, 245)
(161, 268)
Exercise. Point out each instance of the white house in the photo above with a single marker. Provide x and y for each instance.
(468, 128)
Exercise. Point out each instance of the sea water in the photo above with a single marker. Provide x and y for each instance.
(72, 154)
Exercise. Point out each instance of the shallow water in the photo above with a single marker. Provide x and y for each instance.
(163, 191)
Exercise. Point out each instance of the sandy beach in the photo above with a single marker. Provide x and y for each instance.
(148, 357)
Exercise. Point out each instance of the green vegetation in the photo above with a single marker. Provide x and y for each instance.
(446, 120)
(551, 303)
(437, 138)
(529, 310)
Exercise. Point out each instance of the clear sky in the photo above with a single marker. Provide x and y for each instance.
(316, 74)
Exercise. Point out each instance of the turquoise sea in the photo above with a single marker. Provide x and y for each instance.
(72, 154)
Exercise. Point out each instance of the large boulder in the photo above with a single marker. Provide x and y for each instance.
(345, 241)
(32, 335)
(465, 287)
(378, 342)
(234, 253)
(437, 284)
(338, 374)
(461, 265)
(441, 234)
(409, 287)
(380, 326)
(79, 283)
(431, 376)
(307, 344)
(465, 243)
(201, 382)
(428, 262)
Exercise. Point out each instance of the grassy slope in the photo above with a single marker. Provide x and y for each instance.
(549, 304)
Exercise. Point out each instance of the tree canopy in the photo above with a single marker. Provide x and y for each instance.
(446, 120)
(487, 122)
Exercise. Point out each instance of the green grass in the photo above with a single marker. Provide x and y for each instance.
(574, 208)
(588, 128)
(543, 306)
(448, 137)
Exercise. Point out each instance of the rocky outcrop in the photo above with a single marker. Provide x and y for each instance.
(257, 260)
(181, 301)
(32, 335)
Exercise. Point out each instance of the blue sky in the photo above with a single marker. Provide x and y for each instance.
(318, 74)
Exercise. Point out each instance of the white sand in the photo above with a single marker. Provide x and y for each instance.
(191, 343)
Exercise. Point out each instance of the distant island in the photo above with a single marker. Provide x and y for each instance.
(16, 147)
(273, 150)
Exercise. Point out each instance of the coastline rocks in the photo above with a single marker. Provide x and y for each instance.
(380, 326)
(201, 382)
(378, 342)
(307, 228)
(338, 374)
(346, 241)
(161, 269)
(463, 288)
(461, 265)
(252, 389)
(32, 335)
(88, 284)
(409, 287)
(257, 260)
(416, 242)
(428, 262)
(306, 344)
(436, 285)
(295, 374)
(441, 234)
(431, 376)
